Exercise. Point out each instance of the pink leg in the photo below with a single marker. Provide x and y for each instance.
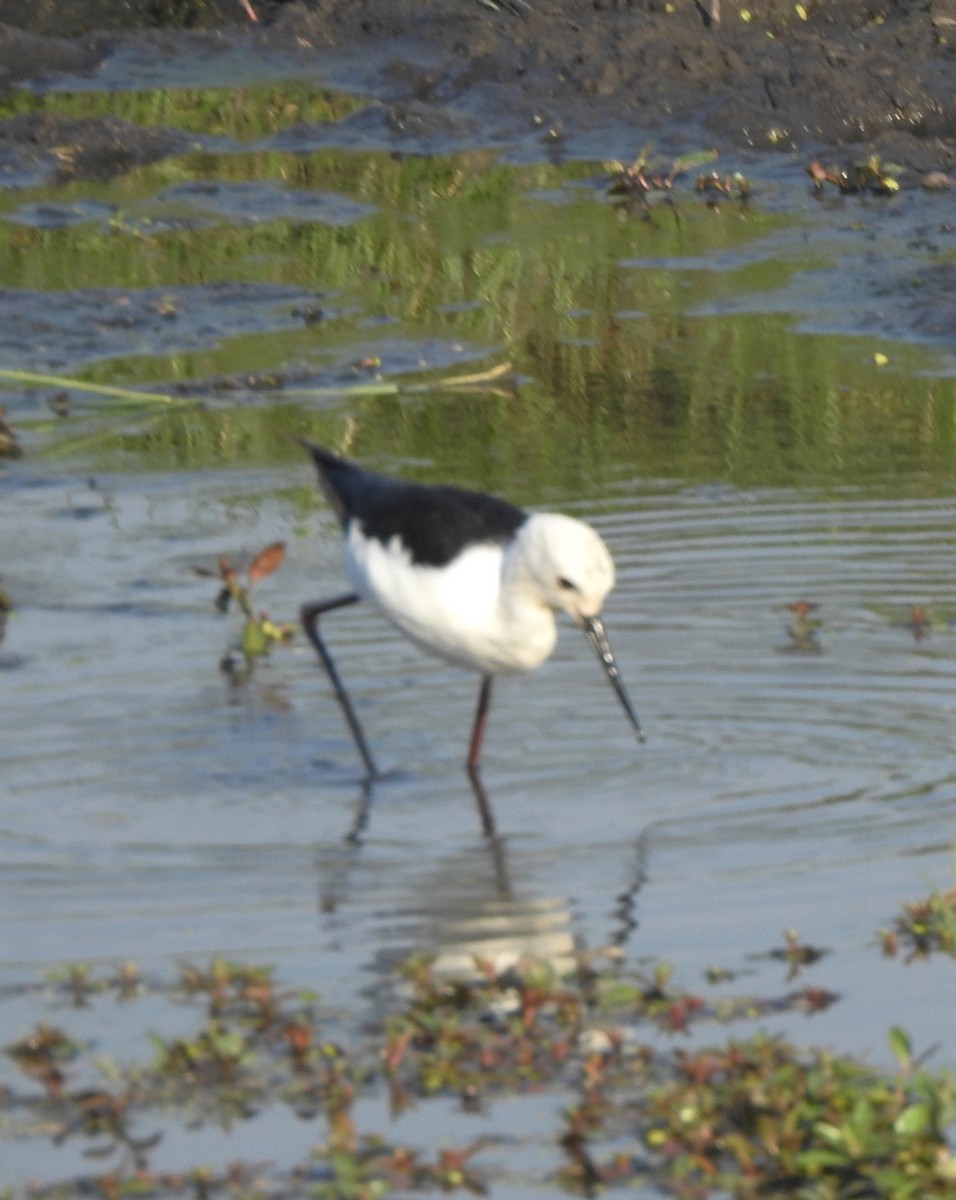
(481, 720)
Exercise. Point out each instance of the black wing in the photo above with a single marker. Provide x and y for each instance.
(434, 523)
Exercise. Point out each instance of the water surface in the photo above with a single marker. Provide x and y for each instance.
(676, 381)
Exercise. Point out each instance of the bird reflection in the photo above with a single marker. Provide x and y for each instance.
(470, 906)
(470, 909)
(363, 809)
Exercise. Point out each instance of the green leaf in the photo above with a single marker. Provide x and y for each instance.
(861, 1119)
(109, 1068)
(255, 643)
(620, 995)
(820, 1160)
(830, 1133)
(901, 1046)
(918, 1118)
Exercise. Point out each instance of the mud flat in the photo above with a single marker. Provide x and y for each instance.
(841, 75)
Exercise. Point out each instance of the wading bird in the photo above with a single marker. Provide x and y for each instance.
(464, 575)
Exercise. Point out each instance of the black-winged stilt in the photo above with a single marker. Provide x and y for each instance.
(464, 575)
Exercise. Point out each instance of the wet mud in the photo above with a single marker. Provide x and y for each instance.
(845, 77)
(773, 86)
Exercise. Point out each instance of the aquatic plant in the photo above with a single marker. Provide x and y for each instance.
(924, 927)
(751, 1116)
(260, 634)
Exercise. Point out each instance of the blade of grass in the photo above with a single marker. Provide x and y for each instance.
(33, 379)
(394, 389)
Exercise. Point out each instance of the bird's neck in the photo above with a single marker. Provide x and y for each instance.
(523, 611)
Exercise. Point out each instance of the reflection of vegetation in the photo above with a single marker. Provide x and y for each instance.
(659, 423)
(244, 113)
(592, 306)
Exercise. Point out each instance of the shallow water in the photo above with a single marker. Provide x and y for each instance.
(152, 810)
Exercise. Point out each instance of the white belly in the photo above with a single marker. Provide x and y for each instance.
(454, 611)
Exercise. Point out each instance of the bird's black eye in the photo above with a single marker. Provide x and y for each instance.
(566, 585)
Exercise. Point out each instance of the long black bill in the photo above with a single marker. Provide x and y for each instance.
(594, 631)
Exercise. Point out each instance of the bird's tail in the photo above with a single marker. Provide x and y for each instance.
(328, 465)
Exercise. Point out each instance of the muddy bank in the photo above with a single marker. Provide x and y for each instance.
(851, 74)
(847, 77)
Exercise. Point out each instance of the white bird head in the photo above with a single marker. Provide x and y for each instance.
(568, 568)
(568, 564)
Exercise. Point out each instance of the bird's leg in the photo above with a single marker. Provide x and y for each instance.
(481, 720)
(473, 764)
(309, 615)
(485, 813)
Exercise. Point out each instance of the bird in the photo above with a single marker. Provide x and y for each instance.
(464, 575)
